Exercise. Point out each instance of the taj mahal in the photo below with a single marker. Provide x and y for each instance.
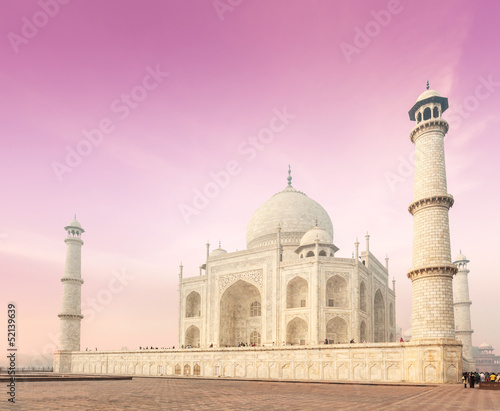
(287, 287)
(287, 307)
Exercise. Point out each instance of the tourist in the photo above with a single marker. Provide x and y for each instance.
(498, 378)
(401, 339)
(482, 377)
(472, 380)
(352, 341)
(464, 379)
(492, 377)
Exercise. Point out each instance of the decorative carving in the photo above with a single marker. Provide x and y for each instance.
(303, 316)
(447, 270)
(254, 276)
(345, 317)
(305, 276)
(441, 200)
(345, 275)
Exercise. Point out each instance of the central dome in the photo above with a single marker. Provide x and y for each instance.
(295, 212)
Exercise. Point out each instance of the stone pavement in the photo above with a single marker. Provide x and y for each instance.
(217, 394)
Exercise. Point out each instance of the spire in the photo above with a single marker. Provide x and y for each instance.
(289, 176)
(219, 243)
(427, 88)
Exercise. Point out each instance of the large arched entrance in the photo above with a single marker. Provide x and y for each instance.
(296, 332)
(336, 331)
(379, 317)
(240, 314)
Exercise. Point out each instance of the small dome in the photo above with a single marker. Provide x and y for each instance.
(427, 94)
(316, 233)
(217, 252)
(74, 223)
(461, 257)
(485, 346)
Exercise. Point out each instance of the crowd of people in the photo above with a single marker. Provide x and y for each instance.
(473, 378)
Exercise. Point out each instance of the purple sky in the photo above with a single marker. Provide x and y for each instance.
(346, 82)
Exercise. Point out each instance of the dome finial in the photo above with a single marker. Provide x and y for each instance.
(427, 85)
(219, 243)
(289, 176)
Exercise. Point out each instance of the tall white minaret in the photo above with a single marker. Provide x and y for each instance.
(71, 316)
(462, 305)
(432, 270)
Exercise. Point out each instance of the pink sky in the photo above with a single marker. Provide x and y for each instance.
(227, 74)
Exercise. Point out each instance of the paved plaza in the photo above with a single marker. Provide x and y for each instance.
(193, 394)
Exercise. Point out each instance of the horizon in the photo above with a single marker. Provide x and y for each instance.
(166, 126)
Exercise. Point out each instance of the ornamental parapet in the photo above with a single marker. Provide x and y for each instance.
(72, 280)
(444, 200)
(75, 240)
(441, 270)
(71, 316)
(426, 125)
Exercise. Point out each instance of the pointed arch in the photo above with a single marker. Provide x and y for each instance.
(379, 317)
(296, 293)
(362, 296)
(336, 331)
(362, 332)
(427, 113)
(192, 337)
(236, 320)
(337, 294)
(297, 332)
(193, 305)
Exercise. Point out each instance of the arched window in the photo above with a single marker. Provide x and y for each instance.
(255, 309)
(310, 254)
(427, 113)
(362, 296)
(255, 338)
(419, 117)
(177, 369)
(196, 369)
(296, 293)
(187, 369)
(435, 112)
(322, 253)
